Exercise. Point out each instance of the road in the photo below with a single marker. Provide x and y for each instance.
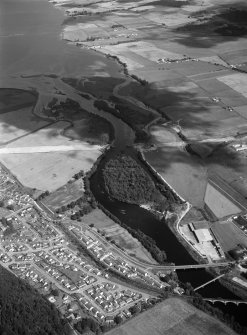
(49, 148)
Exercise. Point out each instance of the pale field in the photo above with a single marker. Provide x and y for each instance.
(42, 170)
(51, 136)
(48, 171)
(131, 245)
(214, 60)
(142, 9)
(18, 123)
(150, 51)
(73, 33)
(228, 235)
(237, 81)
(122, 54)
(174, 316)
(219, 204)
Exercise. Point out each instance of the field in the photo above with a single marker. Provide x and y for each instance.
(46, 159)
(218, 203)
(186, 174)
(51, 170)
(173, 316)
(12, 126)
(229, 235)
(122, 238)
(65, 195)
(12, 99)
(237, 81)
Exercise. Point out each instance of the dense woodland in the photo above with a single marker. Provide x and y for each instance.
(23, 311)
(127, 181)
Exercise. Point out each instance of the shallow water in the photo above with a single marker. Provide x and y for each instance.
(30, 43)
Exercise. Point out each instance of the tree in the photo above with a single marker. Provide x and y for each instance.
(55, 292)
(118, 319)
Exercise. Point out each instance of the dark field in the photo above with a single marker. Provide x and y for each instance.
(12, 99)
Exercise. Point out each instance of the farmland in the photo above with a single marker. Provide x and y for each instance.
(173, 316)
(65, 195)
(46, 159)
(173, 163)
(229, 235)
(219, 203)
(13, 99)
(43, 153)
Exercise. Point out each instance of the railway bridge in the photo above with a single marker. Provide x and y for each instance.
(225, 301)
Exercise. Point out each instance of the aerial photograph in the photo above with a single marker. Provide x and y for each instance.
(123, 167)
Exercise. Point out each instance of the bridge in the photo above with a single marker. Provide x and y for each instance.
(192, 266)
(226, 301)
(208, 282)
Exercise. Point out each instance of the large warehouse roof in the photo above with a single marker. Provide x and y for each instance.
(203, 235)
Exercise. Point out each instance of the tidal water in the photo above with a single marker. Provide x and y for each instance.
(30, 43)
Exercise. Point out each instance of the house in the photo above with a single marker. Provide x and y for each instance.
(52, 299)
(109, 319)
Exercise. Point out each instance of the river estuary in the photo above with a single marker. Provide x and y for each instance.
(30, 44)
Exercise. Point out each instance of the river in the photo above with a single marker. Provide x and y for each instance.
(30, 44)
(139, 218)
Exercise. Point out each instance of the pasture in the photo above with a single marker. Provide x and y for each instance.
(173, 317)
(65, 195)
(229, 235)
(49, 170)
